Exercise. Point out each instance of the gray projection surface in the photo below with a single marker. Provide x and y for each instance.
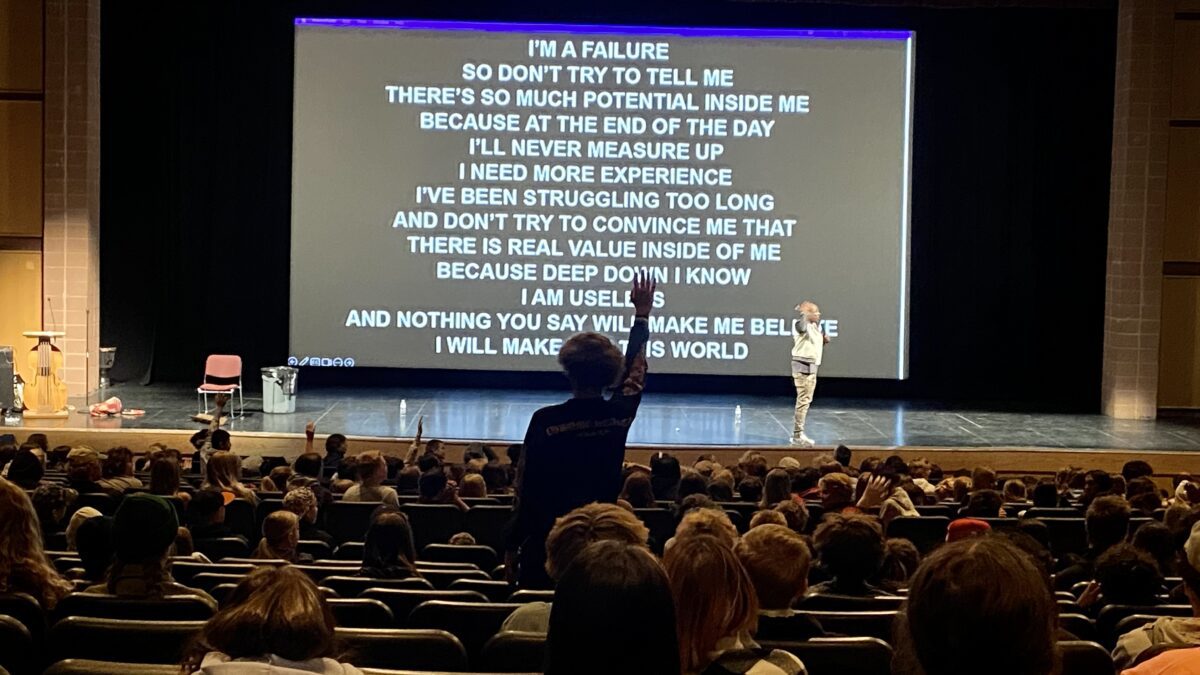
(817, 192)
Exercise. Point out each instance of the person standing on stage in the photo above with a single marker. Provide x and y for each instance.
(574, 451)
(807, 345)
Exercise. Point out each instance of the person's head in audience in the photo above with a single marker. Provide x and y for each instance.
(843, 455)
(754, 464)
(275, 614)
(24, 567)
(965, 528)
(1037, 529)
(281, 535)
(1096, 483)
(339, 486)
(619, 591)
(1188, 566)
(714, 598)
(83, 468)
(164, 477)
(777, 560)
(837, 492)
(900, 561)
(720, 491)
(767, 517)
(851, 549)
(308, 464)
(462, 539)
(389, 551)
(691, 483)
(664, 475)
(40, 440)
(1045, 495)
(335, 446)
(725, 476)
(693, 502)
(707, 522)
(51, 502)
(978, 606)
(26, 469)
(1128, 576)
(206, 507)
(7, 452)
(221, 440)
(705, 467)
(224, 471)
(474, 451)
(144, 528)
(587, 525)
(495, 477)
(278, 479)
(407, 479)
(794, 514)
(56, 458)
(77, 519)
(372, 469)
(591, 363)
(472, 485)
(919, 468)
(426, 463)
(93, 541)
(750, 489)
(1107, 522)
(1014, 491)
(983, 504)
(432, 486)
(1118, 485)
(302, 502)
(983, 478)
(869, 465)
(118, 462)
(777, 487)
(638, 490)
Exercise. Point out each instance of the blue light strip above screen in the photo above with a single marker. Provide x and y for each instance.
(594, 29)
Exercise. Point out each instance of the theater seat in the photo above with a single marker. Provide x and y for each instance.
(350, 550)
(444, 578)
(1084, 658)
(89, 667)
(876, 624)
(348, 521)
(496, 591)
(487, 524)
(207, 581)
(17, 654)
(183, 570)
(220, 548)
(1082, 627)
(318, 549)
(661, 524)
(473, 622)
(840, 656)
(402, 648)
(525, 595)
(925, 532)
(239, 517)
(25, 609)
(514, 652)
(402, 602)
(169, 608)
(849, 603)
(80, 637)
(1111, 616)
(434, 523)
(351, 587)
(361, 613)
(483, 557)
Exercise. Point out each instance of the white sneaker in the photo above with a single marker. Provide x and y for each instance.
(803, 441)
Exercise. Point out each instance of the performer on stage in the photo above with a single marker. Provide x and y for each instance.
(807, 345)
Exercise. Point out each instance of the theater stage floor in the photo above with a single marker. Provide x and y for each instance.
(664, 419)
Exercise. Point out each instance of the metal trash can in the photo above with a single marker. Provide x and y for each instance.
(279, 389)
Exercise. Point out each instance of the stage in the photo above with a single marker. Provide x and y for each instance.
(668, 420)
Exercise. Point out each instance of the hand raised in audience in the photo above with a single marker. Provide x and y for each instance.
(221, 400)
(875, 493)
(642, 293)
(420, 429)
(310, 430)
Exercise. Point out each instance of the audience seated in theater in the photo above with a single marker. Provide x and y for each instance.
(280, 537)
(84, 471)
(977, 606)
(495, 478)
(93, 541)
(900, 561)
(1168, 630)
(206, 515)
(1157, 541)
(983, 478)
(335, 450)
(850, 548)
(750, 489)
(716, 611)
(224, 474)
(26, 469)
(275, 621)
(435, 488)
(919, 470)
(767, 517)
(303, 502)
(1045, 496)
(777, 560)
(777, 487)
(372, 471)
(1014, 492)
(754, 464)
(473, 486)
(570, 536)
(77, 519)
(691, 483)
(1096, 483)
(1122, 575)
(24, 567)
(51, 502)
(143, 531)
(709, 521)
(118, 472)
(389, 552)
(462, 539)
(843, 455)
(885, 497)
(664, 476)
(1107, 524)
(185, 547)
(795, 515)
(164, 478)
(837, 492)
(277, 479)
(965, 528)
(720, 488)
(983, 504)
(638, 491)
(620, 592)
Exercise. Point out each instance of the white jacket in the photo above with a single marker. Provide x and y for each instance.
(216, 663)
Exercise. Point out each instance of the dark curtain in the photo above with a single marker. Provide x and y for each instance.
(1012, 132)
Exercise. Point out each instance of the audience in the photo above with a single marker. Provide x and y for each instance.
(473, 487)
(77, 519)
(716, 611)
(280, 538)
(389, 552)
(619, 593)
(664, 476)
(118, 472)
(435, 488)
(206, 516)
(24, 567)
(371, 471)
(850, 548)
(223, 473)
(1107, 524)
(638, 491)
(303, 502)
(1123, 576)
(777, 560)
(777, 487)
(93, 542)
(84, 470)
(164, 478)
(26, 469)
(708, 521)
(1168, 630)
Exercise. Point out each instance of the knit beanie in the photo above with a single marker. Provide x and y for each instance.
(144, 527)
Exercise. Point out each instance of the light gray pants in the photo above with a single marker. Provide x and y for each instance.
(806, 385)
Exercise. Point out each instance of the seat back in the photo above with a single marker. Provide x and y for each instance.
(840, 656)
(483, 557)
(402, 601)
(1084, 658)
(514, 652)
(848, 603)
(1079, 625)
(444, 578)
(239, 517)
(85, 637)
(661, 524)
(925, 532)
(525, 595)
(496, 591)
(27, 610)
(222, 369)
(361, 613)
(487, 524)
(220, 548)
(1053, 512)
(351, 587)
(434, 523)
(876, 624)
(168, 608)
(206, 581)
(318, 549)
(183, 570)
(265, 508)
(101, 501)
(348, 521)
(1067, 535)
(350, 550)
(17, 654)
(90, 667)
(473, 622)
(1111, 616)
(403, 648)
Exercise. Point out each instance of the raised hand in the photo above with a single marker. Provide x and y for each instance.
(310, 430)
(221, 400)
(642, 293)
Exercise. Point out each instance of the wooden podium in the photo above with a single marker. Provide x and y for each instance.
(46, 394)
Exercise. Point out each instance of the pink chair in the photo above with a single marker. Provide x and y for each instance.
(222, 375)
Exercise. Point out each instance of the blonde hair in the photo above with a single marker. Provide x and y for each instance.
(588, 524)
(767, 517)
(24, 567)
(224, 471)
(777, 560)
(711, 522)
(472, 486)
(372, 468)
(714, 597)
(281, 532)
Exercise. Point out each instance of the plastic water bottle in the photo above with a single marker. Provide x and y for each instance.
(737, 414)
(403, 406)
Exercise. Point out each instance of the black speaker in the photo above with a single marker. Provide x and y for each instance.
(6, 378)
